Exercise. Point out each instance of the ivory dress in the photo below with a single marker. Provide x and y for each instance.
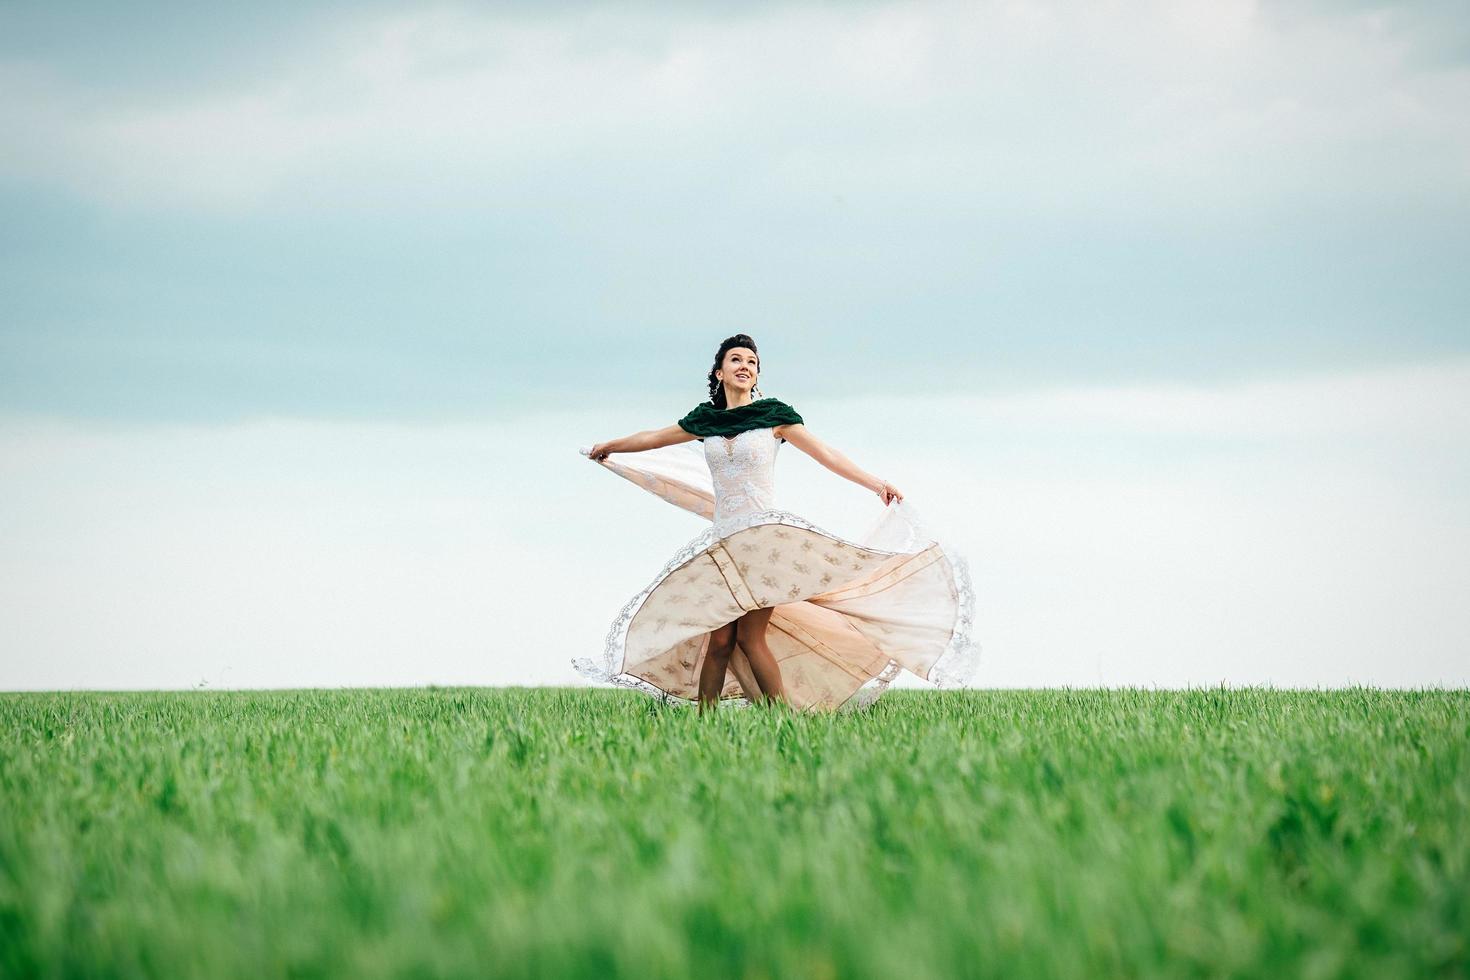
(849, 614)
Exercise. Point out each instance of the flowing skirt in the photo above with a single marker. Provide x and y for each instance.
(848, 615)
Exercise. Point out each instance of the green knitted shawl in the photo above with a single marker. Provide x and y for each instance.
(763, 413)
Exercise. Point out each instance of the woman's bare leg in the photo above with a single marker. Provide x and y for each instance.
(750, 633)
(716, 659)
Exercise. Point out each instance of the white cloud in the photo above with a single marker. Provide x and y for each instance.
(1424, 402)
(1203, 107)
(1297, 532)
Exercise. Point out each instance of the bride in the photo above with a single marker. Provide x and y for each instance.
(800, 616)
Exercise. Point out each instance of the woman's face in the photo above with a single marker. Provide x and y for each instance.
(739, 369)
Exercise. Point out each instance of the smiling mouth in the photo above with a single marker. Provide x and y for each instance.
(742, 375)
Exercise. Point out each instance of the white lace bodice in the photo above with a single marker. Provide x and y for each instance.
(743, 470)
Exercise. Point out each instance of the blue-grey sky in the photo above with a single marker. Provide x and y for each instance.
(1156, 310)
(443, 211)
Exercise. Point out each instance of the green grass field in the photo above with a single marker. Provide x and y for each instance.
(595, 833)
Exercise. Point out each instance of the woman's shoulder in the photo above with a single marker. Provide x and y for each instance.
(781, 412)
(698, 418)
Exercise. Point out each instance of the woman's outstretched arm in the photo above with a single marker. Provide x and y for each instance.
(651, 439)
(828, 456)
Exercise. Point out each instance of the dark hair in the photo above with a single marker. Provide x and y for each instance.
(716, 389)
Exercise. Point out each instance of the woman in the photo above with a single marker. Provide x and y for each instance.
(800, 616)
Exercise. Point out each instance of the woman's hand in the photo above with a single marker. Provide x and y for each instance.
(887, 492)
(600, 451)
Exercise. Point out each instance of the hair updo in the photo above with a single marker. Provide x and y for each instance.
(716, 388)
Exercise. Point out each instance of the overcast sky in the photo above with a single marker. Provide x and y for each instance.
(1159, 308)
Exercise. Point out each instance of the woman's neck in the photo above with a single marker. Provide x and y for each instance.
(729, 403)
